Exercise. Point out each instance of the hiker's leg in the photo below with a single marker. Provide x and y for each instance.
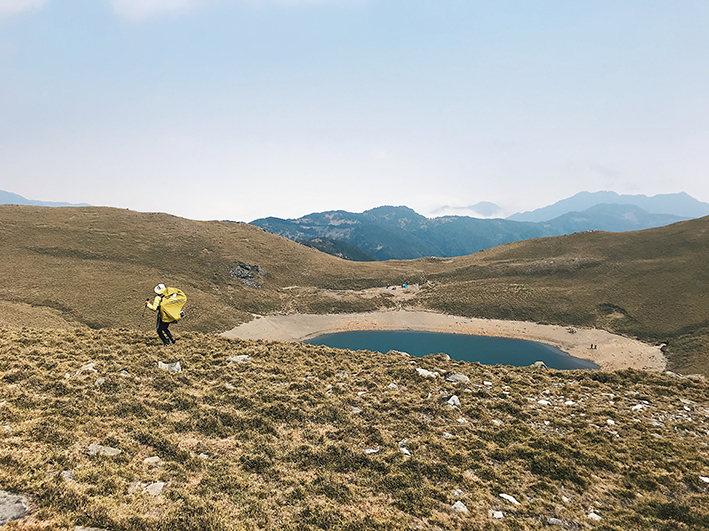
(167, 333)
(161, 329)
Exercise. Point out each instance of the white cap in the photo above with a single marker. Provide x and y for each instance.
(159, 288)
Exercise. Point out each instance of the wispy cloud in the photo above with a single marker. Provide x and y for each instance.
(139, 10)
(13, 7)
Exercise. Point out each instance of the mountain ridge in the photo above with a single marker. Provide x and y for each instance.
(398, 232)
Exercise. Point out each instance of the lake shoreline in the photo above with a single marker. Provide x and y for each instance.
(612, 352)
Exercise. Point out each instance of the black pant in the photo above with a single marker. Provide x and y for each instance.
(163, 331)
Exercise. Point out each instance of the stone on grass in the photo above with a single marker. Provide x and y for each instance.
(447, 435)
(355, 410)
(456, 377)
(103, 450)
(99, 382)
(510, 499)
(497, 515)
(7, 428)
(569, 403)
(82, 528)
(544, 402)
(538, 365)
(452, 401)
(425, 373)
(462, 421)
(704, 479)
(392, 385)
(124, 373)
(154, 460)
(405, 451)
(12, 507)
(487, 384)
(241, 358)
(67, 475)
(595, 517)
(154, 489)
(610, 422)
(89, 367)
(170, 367)
(203, 456)
(459, 507)
(370, 451)
(457, 493)
(555, 521)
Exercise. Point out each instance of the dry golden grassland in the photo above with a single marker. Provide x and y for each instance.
(279, 441)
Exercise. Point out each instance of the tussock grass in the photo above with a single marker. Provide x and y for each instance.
(278, 442)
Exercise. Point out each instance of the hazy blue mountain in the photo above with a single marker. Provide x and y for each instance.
(611, 218)
(390, 232)
(8, 198)
(680, 204)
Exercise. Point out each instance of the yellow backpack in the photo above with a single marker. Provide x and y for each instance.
(171, 305)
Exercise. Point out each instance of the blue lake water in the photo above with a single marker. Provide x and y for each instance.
(460, 347)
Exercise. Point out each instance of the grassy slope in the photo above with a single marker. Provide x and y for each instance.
(650, 284)
(286, 450)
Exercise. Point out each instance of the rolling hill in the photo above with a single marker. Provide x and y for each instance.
(95, 266)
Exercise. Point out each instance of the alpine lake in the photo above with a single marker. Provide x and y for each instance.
(460, 347)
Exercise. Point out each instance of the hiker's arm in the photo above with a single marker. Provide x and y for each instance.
(154, 305)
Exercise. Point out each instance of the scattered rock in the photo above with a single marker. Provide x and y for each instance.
(538, 365)
(447, 435)
(154, 489)
(99, 382)
(405, 354)
(510, 499)
(12, 507)
(452, 401)
(565, 499)
(405, 451)
(170, 367)
(154, 460)
(544, 402)
(241, 358)
(457, 493)
(487, 384)
(497, 515)
(425, 373)
(555, 521)
(246, 273)
(124, 373)
(392, 385)
(704, 479)
(203, 456)
(355, 410)
(370, 451)
(82, 528)
(361, 394)
(89, 367)
(456, 377)
(497, 422)
(610, 422)
(103, 450)
(229, 386)
(459, 507)
(569, 403)
(595, 517)
(67, 475)
(7, 428)
(462, 421)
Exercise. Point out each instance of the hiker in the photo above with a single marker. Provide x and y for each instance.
(161, 328)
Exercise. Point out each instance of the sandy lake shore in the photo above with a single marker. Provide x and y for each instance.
(613, 352)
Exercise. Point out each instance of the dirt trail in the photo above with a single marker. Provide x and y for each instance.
(613, 352)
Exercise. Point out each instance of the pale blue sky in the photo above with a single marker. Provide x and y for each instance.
(220, 109)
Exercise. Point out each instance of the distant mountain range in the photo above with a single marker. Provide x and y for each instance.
(8, 198)
(680, 204)
(390, 232)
